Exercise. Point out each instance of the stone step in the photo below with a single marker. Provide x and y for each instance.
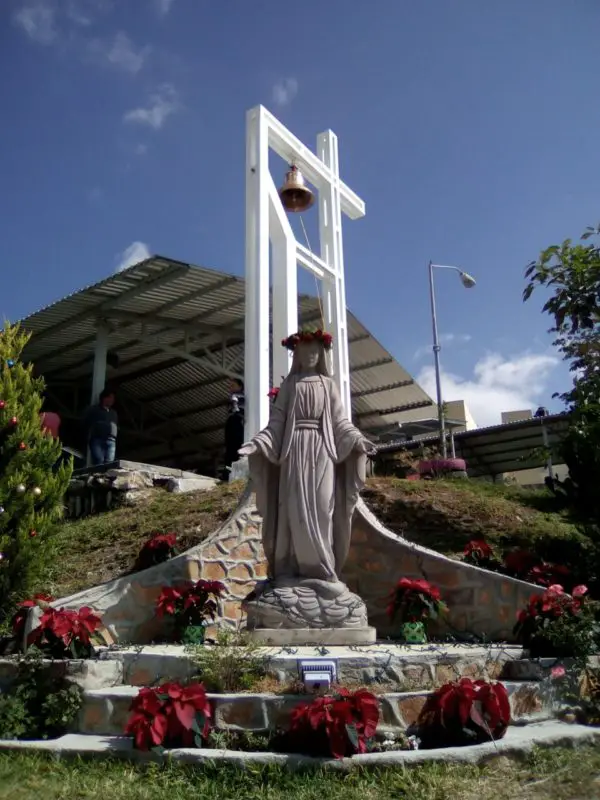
(409, 667)
(518, 742)
(105, 711)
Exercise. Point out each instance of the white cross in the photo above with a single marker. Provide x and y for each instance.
(267, 223)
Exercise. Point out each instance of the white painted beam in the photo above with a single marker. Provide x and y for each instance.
(291, 149)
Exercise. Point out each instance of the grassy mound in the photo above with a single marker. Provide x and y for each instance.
(445, 515)
(442, 515)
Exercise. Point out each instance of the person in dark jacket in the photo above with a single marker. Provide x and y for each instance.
(234, 427)
(102, 425)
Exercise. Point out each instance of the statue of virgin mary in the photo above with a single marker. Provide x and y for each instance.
(307, 468)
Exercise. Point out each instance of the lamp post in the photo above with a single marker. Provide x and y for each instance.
(468, 282)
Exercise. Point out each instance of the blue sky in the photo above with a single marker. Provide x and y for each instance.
(469, 128)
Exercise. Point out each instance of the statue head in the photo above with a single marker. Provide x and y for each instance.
(309, 357)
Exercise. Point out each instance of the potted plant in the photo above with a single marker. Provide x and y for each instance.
(414, 602)
(464, 712)
(190, 607)
(334, 725)
(557, 624)
(170, 715)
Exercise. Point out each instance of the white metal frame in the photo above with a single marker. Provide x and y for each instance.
(267, 225)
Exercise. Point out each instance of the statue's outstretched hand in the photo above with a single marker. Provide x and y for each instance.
(365, 446)
(248, 449)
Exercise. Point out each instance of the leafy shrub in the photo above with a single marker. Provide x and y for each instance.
(170, 715)
(38, 704)
(234, 663)
(338, 725)
(464, 712)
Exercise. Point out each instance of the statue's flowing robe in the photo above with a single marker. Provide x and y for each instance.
(307, 474)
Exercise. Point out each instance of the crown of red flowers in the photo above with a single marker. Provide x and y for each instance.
(326, 339)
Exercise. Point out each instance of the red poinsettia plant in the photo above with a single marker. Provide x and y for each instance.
(156, 550)
(170, 715)
(334, 725)
(415, 600)
(190, 605)
(479, 553)
(464, 712)
(527, 566)
(19, 618)
(548, 625)
(306, 336)
(66, 634)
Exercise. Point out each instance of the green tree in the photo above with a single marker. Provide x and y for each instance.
(32, 486)
(572, 273)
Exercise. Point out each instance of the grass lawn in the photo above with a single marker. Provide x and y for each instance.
(555, 774)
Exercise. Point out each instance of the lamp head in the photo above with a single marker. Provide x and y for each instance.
(468, 281)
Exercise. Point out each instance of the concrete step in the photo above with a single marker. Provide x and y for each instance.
(409, 667)
(518, 742)
(106, 711)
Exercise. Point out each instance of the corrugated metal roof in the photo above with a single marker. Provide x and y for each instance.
(498, 449)
(178, 305)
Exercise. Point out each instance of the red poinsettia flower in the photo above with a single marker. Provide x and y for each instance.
(415, 599)
(170, 714)
(347, 720)
(478, 550)
(167, 600)
(161, 540)
(20, 617)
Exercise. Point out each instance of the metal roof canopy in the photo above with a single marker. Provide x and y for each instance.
(175, 337)
(510, 447)
(406, 431)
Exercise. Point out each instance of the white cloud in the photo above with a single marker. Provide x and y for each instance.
(38, 20)
(120, 52)
(498, 384)
(163, 103)
(445, 340)
(284, 91)
(163, 6)
(140, 149)
(136, 252)
(84, 12)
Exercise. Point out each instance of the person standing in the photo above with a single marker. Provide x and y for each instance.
(234, 427)
(102, 424)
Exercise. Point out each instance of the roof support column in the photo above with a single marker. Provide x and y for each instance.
(99, 369)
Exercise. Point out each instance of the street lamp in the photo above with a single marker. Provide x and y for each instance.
(468, 281)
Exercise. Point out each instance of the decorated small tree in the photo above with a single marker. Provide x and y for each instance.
(32, 486)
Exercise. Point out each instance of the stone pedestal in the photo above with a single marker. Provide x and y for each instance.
(307, 611)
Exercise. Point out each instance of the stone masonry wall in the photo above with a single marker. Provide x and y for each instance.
(481, 603)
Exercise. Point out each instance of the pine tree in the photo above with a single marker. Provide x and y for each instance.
(32, 487)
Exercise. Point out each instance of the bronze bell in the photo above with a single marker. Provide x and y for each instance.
(294, 195)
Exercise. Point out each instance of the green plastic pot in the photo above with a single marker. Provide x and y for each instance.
(193, 634)
(413, 632)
